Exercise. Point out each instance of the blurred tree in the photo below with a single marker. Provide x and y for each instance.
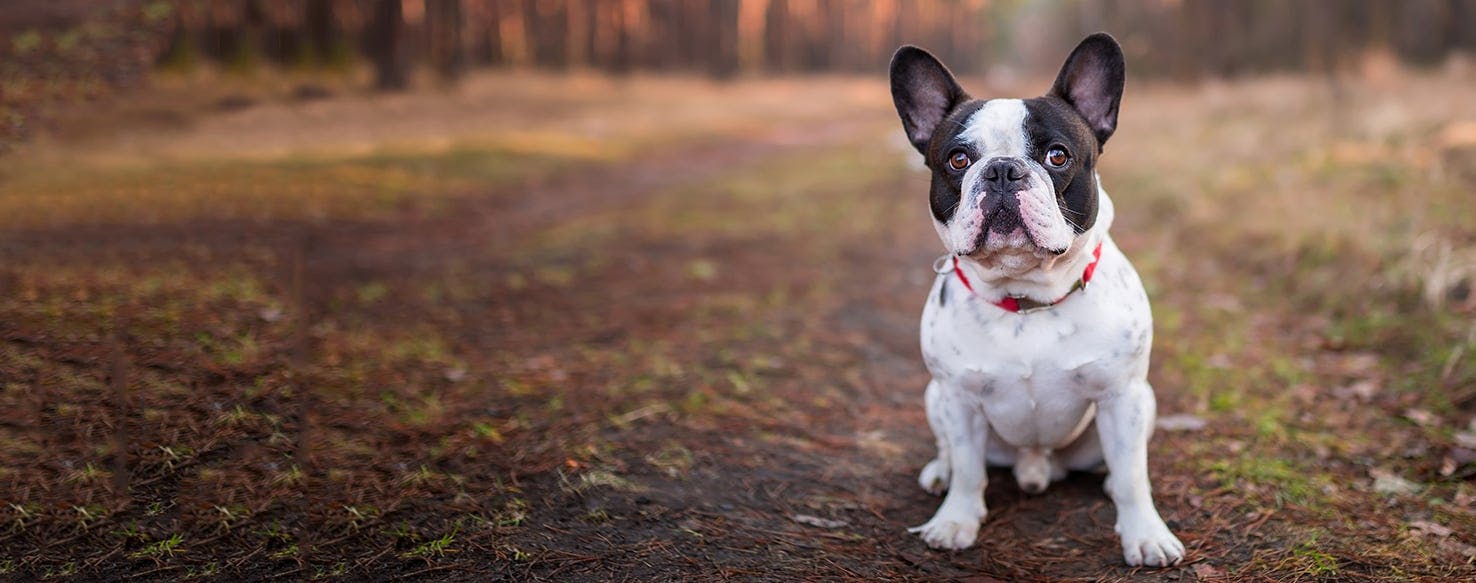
(547, 23)
(724, 37)
(776, 36)
(387, 44)
(445, 20)
(325, 38)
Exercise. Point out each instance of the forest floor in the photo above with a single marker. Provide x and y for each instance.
(654, 329)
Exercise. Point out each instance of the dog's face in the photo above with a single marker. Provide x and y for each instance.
(1014, 181)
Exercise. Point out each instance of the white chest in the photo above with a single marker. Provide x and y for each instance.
(1035, 375)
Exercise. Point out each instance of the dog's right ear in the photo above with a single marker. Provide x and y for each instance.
(924, 92)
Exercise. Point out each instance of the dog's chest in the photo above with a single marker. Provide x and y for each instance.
(1035, 375)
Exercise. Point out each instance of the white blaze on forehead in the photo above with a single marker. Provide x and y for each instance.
(998, 129)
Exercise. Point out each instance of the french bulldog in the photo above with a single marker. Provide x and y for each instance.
(1037, 329)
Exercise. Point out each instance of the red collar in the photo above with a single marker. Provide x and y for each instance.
(1024, 305)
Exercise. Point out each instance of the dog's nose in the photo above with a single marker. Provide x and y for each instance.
(1004, 174)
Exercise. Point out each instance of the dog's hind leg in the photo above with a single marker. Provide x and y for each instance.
(934, 477)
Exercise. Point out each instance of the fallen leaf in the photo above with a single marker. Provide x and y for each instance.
(1181, 422)
(1421, 417)
(1430, 528)
(817, 521)
(1364, 391)
(1466, 439)
(1451, 544)
(1207, 572)
(1386, 482)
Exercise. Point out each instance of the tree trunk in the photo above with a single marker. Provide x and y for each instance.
(444, 29)
(387, 44)
(723, 63)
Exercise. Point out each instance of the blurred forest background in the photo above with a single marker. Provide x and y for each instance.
(628, 289)
(59, 50)
(1164, 38)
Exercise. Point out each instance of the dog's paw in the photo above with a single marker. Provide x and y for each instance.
(1150, 544)
(934, 477)
(950, 531)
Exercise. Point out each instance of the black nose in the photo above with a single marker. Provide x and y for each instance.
(1004, 174)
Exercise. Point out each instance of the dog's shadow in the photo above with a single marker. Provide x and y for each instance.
(1071, 522)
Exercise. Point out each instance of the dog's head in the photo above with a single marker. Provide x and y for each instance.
(1014, 180)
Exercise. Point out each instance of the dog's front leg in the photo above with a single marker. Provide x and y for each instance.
(962, 424)
(1125, 422)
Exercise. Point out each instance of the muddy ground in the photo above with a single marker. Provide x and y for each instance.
(656, 329)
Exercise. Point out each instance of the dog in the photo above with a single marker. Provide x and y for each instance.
(1037, 329)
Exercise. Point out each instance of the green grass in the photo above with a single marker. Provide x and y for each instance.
(160, 549)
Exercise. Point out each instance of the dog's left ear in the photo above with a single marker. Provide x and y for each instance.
(1091, 81)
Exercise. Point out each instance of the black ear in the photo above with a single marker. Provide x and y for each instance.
(924, 92)
(1091, 81)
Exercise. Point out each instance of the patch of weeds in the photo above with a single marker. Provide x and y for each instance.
(89, 514)
(275, 532)
(291, 477)
(696, 402)
(596, 516)
(210, 569)
(1313, 561)
(361, 515)
(131, 532)
(230, 351)
(1269, 423)
(1225, 400)
(426, 349)
(519, 555)
(703, 270)
(513, 513)
(288, 552)
(67, 569)
(168, 547)
(232, 515)
(674, 460)
(596, 479)
(371, 293)
(238, 416)
(88, 474)
(156, 508)
(428, 409)
(333, 571)
(487, 431)
(421, 476)
(1289, 483)
(433, 548)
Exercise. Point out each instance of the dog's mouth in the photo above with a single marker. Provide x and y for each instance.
(1003, 231)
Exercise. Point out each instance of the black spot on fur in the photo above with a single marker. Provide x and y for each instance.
(943, 293)
(1051, 123)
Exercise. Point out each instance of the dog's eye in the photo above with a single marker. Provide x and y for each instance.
(959, 160)
(1057, 157)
